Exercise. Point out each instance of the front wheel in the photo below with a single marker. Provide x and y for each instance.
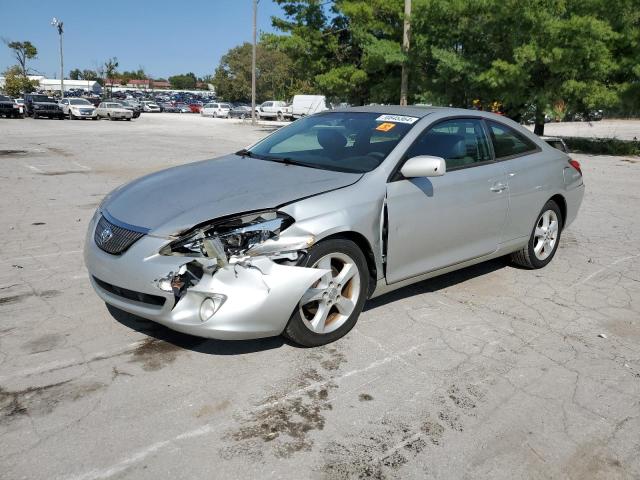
(332, 305)
(544, 240)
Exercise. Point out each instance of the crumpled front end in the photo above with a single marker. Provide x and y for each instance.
(215, 295)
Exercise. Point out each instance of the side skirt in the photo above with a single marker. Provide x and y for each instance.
(383, 287)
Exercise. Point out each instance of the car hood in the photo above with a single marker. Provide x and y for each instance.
(173, 200)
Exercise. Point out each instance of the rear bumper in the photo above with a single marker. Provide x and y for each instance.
(573, 198)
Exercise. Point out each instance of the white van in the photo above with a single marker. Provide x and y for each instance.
(308, 105)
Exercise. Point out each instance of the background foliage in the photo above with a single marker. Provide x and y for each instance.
(532, 58)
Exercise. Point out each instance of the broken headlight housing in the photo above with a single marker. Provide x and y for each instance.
(233, 236)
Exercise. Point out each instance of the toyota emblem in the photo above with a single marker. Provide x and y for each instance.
(106, 235)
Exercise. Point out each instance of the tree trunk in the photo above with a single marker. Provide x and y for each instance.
(539, 123)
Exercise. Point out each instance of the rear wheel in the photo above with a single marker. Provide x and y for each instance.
(280, 117)
(544, 240)
(332, 305)
(110, 117)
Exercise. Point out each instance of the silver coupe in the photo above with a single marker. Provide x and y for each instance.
(293, 234)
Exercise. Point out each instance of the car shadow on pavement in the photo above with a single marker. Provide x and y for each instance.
(189, 342)
(438, 283)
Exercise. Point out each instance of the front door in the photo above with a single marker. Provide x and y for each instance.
(441, 221)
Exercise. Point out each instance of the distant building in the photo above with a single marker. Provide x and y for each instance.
(53, 85)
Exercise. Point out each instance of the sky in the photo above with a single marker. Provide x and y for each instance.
(163, 37)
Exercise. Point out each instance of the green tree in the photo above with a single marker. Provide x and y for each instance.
(185, 81)
(75, 74)
(232, 78)
(538, 56)
(22, 52)
(16, 84)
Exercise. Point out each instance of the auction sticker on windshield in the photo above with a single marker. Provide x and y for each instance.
(385, 127)
(397, 119)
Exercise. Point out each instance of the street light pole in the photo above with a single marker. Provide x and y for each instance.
(58, 24)
(404, 80)
(253, 65)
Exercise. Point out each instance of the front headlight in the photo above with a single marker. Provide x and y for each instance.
(234, 236)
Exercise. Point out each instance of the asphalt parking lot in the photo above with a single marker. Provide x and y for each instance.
(492, 372)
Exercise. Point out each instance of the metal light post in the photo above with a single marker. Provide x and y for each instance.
(58, 24)
(406, 32)
(253, 65)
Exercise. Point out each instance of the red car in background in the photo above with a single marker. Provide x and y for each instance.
(195, 107)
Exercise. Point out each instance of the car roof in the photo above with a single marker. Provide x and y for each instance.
(418, 111)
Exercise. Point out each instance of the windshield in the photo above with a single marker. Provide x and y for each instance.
(343, 141)
(4, 99)
(40, 98)
(78, 101)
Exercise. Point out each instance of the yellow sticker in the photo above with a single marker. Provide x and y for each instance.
(385, 127)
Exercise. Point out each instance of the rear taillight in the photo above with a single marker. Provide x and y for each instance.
(575, 164)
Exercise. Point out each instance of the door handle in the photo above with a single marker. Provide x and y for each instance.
(498, 187)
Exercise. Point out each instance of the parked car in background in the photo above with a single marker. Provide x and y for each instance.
(195, 107)
(78, 108)
(240, 111)
(9, 108)
(274, 109)
(39, 105)
(20, 103)
(215, 110)
(95, 101)
(135, 107)
(113, 111)
(150, 107)
(303, 105)
(556, 142)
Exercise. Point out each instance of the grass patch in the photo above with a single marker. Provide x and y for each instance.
(603, 146)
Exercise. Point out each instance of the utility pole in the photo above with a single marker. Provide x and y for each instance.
(58, 24)
(253, 65)
(404, 80)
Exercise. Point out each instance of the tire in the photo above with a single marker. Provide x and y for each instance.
(71, 116)
(110, 117)
(338, 253)
(544, 240)
(280, 117)
(128, 119)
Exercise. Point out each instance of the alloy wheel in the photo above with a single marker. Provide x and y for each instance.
(545, 235)
(331, 300)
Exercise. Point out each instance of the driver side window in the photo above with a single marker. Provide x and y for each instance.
(462, 142)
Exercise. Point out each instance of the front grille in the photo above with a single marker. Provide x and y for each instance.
(130, 294)
(114, 239)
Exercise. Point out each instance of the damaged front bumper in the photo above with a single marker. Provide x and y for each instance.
(252, 298)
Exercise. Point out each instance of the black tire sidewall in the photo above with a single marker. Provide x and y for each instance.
(537, 263)
(296, 329)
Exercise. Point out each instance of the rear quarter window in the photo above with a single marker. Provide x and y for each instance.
(508, 143)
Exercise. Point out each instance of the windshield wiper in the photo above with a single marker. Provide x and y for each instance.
(290, 161)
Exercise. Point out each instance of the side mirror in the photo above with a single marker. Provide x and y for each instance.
(424, 166)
